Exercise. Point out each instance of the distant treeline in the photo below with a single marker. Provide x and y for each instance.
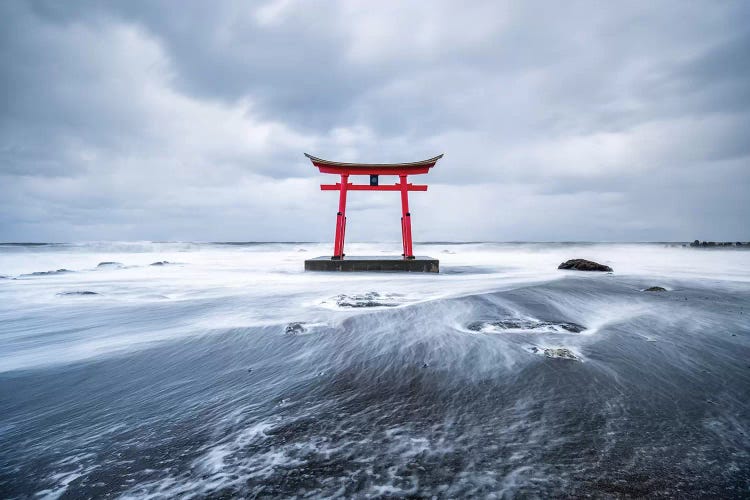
(701, 244)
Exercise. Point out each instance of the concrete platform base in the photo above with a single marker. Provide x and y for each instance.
(399, 264)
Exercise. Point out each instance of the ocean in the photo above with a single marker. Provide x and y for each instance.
(194, 370)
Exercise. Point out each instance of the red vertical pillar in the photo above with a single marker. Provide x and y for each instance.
(338, 244)
(403, 237)
(406, 219)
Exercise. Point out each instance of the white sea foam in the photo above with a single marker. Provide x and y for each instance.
(236, 373)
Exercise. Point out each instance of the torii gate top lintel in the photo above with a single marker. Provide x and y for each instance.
(402, 170)
(337, 167)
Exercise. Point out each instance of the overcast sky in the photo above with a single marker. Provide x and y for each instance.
(559, 120)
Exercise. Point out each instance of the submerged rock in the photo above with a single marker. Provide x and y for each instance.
(109, 264)
(584, 265)
(48, 273)
(369, 299)
(295, 328)
(160, 263)
(555, 353)
(81, 292)
(531, 325)
(655, 289)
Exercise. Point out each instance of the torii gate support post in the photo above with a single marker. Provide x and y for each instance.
(338, 244)
(405, 219)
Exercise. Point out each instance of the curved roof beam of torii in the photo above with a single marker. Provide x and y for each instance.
(335, 167)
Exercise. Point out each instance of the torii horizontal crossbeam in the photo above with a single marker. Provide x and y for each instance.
(367, 187)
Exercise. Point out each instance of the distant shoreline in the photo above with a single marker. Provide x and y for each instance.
(690, 244)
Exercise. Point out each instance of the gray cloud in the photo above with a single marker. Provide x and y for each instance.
(187, 120)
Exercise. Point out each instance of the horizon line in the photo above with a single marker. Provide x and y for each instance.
(428, 242)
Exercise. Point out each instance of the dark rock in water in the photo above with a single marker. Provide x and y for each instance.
(584, 265)
(468, 270)
(109, 264)
(530, 325)
(295, 328)
(48, 273)
(82, 292)
(655, 289)
(160, 263)
(556, 353)
(369, 299)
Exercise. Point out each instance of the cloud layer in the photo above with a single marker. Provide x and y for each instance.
(559, 121)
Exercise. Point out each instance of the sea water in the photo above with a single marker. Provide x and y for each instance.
(160, 370)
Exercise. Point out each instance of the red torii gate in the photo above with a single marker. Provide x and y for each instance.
(402, 170)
